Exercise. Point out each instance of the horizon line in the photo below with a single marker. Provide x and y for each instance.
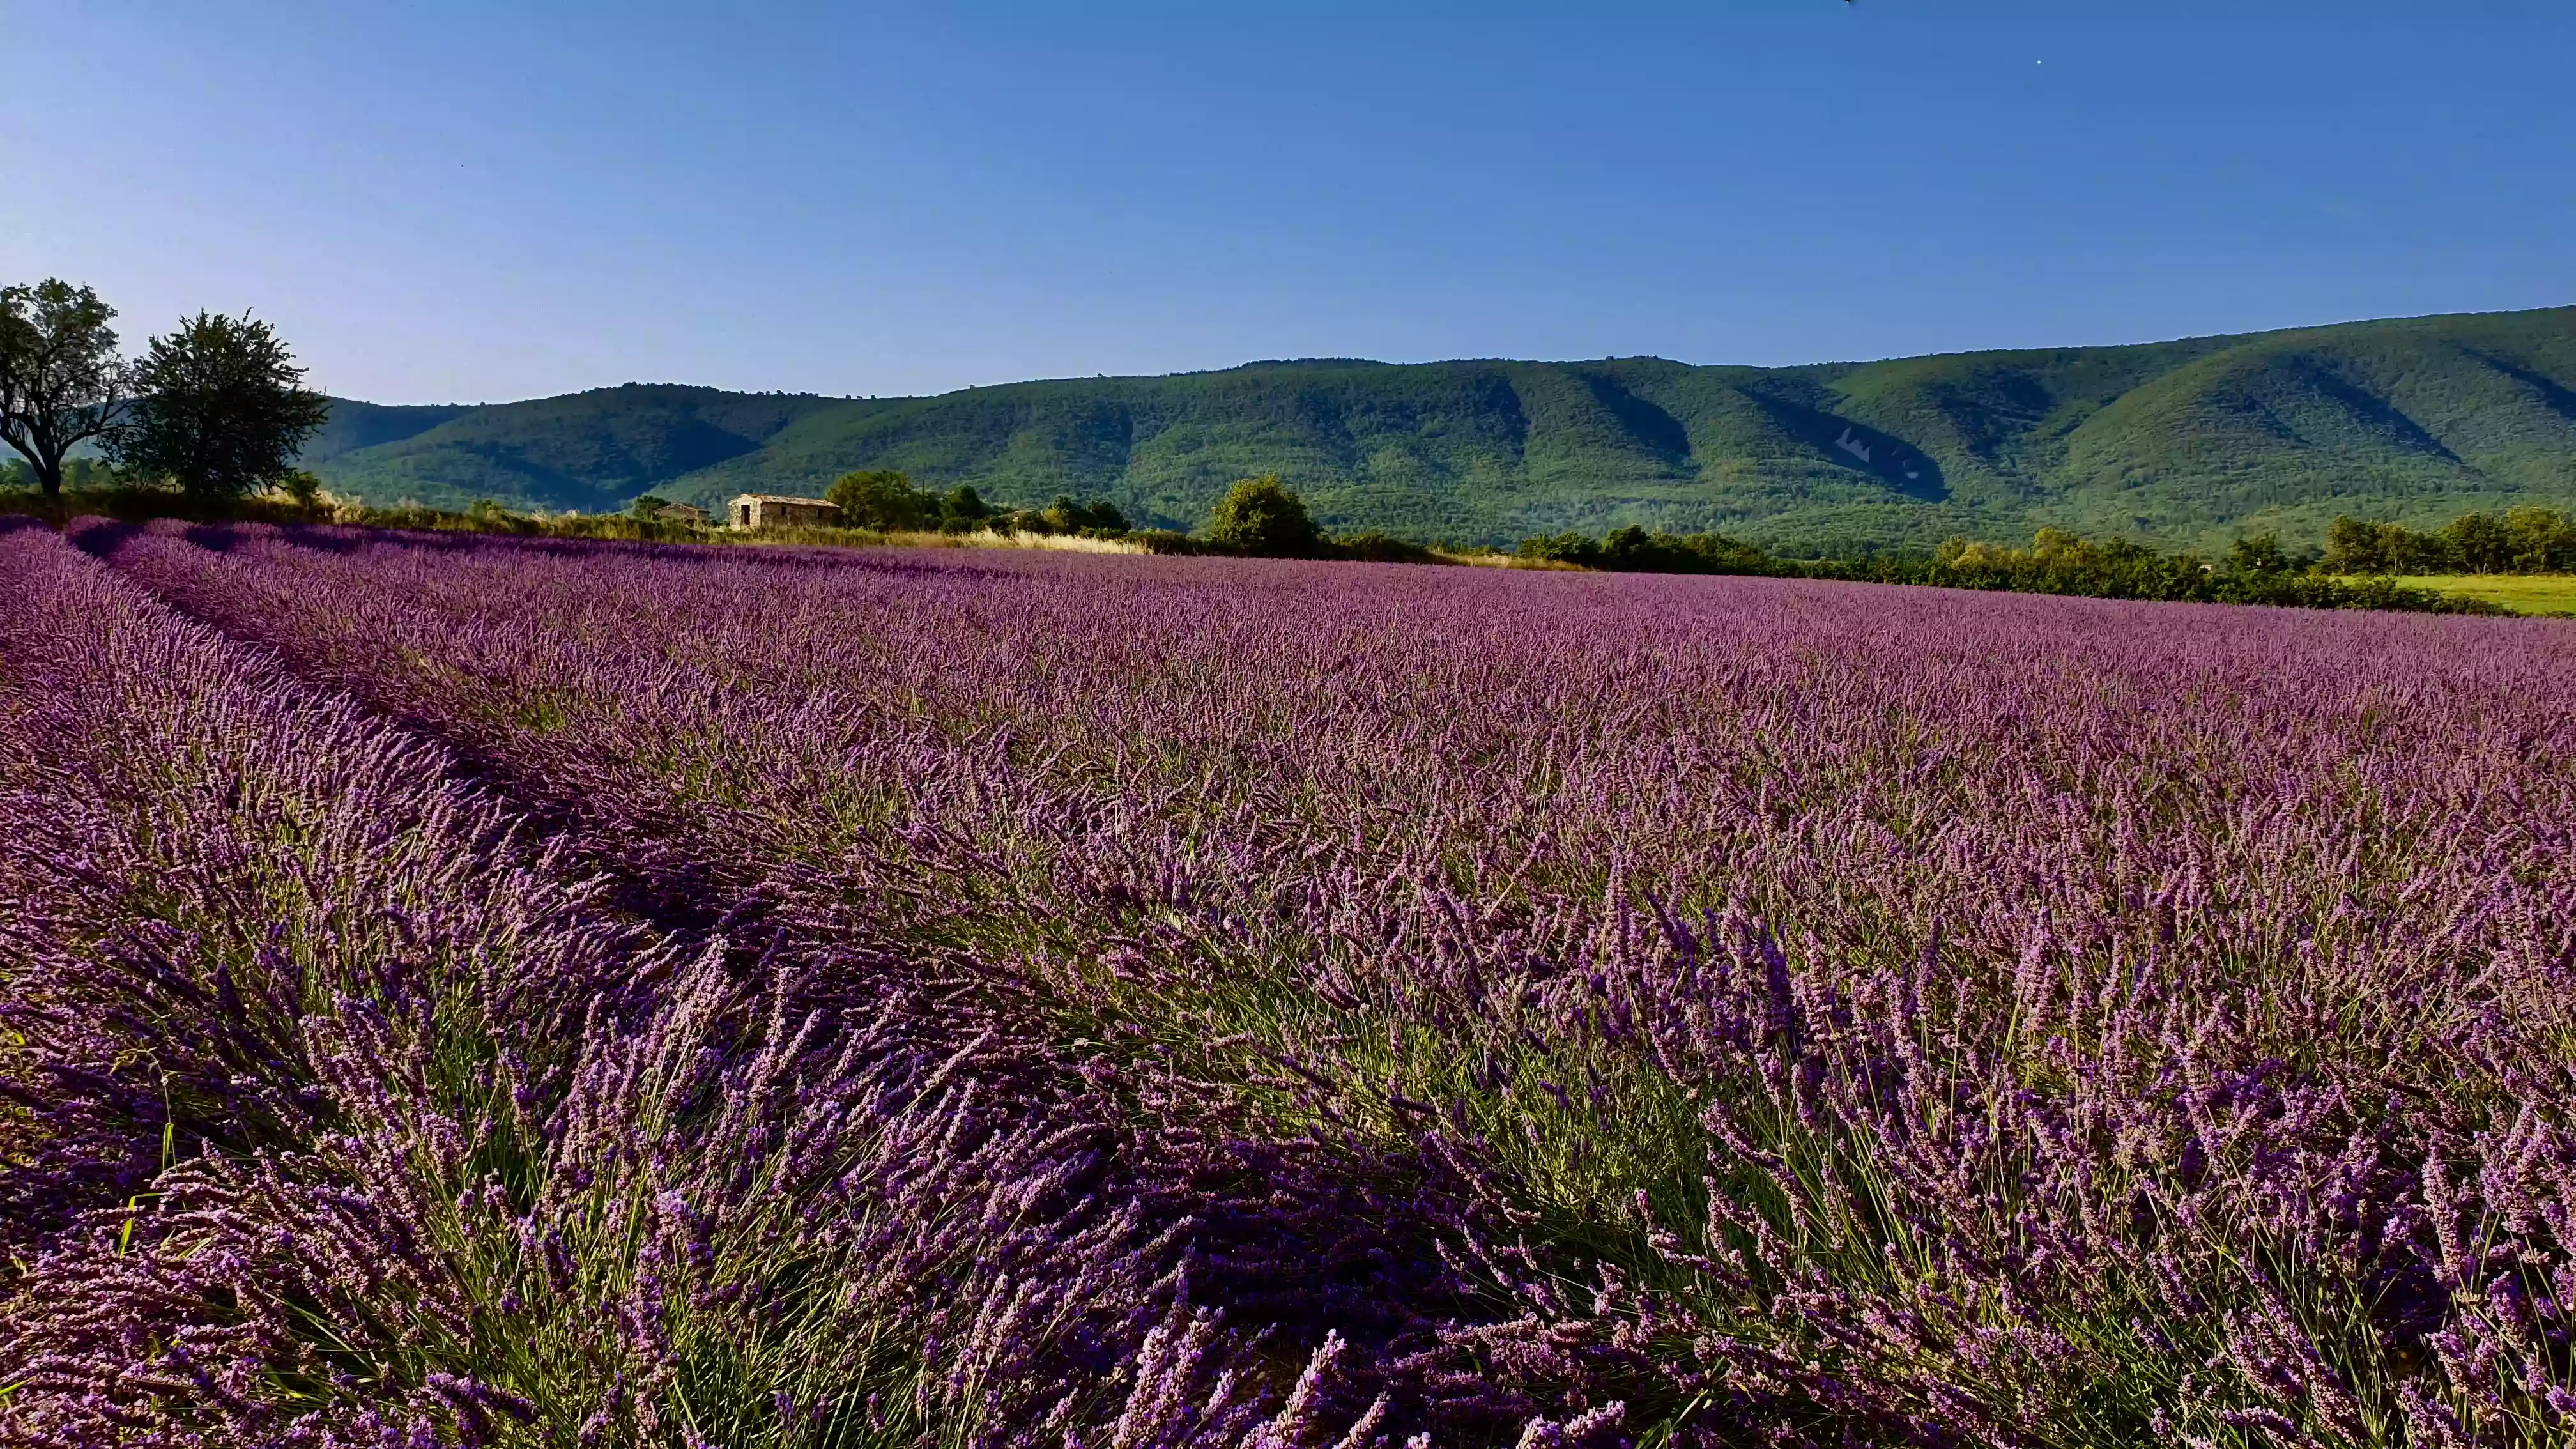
(1329, 361)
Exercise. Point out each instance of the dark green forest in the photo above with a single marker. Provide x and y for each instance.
(2182, 445)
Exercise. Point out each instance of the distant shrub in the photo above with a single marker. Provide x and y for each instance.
(664, 529)
(1372, 546)
(1097, 516)
(1168, 541)
(881, 499)
(302, 489)
(964, 510)
(1634, 550)
(107, 496)
(1579, 549)
(2257, 571)
(1263, 517)
(2259, 554)
(2521, 541)
(885, 501)
(486, 515)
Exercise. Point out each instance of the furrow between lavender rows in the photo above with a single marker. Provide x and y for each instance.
(339, 1109)
(1302, 1237)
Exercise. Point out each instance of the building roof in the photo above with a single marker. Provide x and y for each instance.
(782, 498)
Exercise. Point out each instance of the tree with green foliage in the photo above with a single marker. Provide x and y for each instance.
(964, 510)
(882, 499)
(648, 507)
(2479, 543)
(1262, 516)
(220, 409)
(2524, 540)
(2355, 547)
(2057, 562)
(1377, 546)
(303, 489)
(1066, 516)
(2258, 554)
(61, 382)
(2544, 540)
(1579, 549)
(1633, 550)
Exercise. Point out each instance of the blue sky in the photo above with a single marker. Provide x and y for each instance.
(469, 201)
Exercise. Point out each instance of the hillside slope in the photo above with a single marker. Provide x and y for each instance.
(2182, 443)
(591, 451)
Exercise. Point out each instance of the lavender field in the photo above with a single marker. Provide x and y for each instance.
(468, 991)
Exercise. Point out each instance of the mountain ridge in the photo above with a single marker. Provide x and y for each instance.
(2181, 443)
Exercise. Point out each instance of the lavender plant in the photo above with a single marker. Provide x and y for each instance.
(345, 1113)
(1509, 1008)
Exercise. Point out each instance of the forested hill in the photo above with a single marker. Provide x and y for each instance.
(2178, 443)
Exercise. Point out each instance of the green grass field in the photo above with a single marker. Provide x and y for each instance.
(2522, 593)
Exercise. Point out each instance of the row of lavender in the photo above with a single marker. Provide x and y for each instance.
(337, 1109)
(1634, 1006)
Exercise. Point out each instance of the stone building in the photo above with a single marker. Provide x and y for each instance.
(773, 510)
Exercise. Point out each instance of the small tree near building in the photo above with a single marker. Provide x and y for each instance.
(1262, 516)
(881, 499)
(220, 409)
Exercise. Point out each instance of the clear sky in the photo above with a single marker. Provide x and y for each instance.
(478, 201)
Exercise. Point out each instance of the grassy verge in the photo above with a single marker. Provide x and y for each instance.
(141, 505)
(2545, 594)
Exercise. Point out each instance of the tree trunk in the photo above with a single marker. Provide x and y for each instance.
(45, 463)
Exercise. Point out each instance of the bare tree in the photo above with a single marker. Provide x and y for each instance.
(60, 379)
